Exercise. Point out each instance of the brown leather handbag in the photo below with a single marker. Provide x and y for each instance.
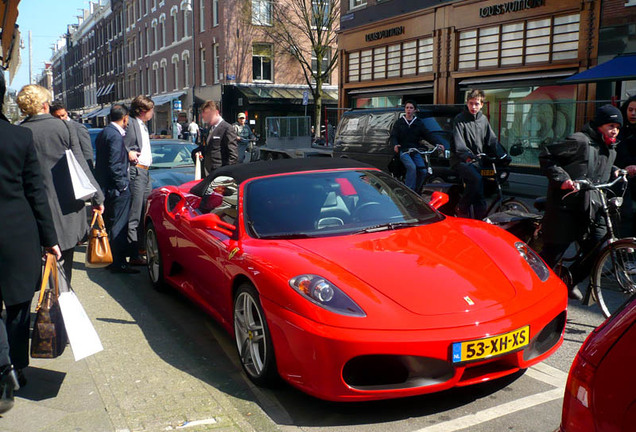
(98, 253)
(49, 334)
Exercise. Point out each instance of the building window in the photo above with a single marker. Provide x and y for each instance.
(201, 15)
(261, 12)
(148, 36)
(215, 13)
(325, 64)
(185, 24)
(175, 24)
(156, 73)
(164, 75)
(520, 43)
(262, 63)
(321, 11)
(357, 3)
(217, 61)
(186, 69)
(162, 21)
(175, 71)
(425, 56)
(354, 67)
(202, 61)
(154, 35)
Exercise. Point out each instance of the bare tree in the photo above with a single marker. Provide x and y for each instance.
(306, 30)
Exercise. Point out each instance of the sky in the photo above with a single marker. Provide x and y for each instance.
(47, 20)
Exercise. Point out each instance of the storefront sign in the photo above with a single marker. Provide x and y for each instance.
(512, 6)
(395, 31)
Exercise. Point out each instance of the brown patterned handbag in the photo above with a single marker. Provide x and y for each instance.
(49, 335)
(98, 253)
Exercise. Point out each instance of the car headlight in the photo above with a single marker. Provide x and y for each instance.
(533, 260)
(320, 291)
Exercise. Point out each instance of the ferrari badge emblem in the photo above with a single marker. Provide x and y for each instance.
(232, 253)
(469, 301)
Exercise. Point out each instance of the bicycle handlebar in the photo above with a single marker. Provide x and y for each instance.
(490, 158)
(589, 185)
(423, 152)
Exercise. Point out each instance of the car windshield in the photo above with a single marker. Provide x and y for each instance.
(332, 204)
(171, 155)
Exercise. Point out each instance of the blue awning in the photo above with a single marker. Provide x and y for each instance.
(620, 68)
(165, 98)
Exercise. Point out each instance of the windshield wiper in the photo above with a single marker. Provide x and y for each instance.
(287, 236)
(388, 226)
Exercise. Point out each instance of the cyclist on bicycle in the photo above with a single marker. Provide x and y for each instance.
(588, 154)
(407, 132)
(472, 134)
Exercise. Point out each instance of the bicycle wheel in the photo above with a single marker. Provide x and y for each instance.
(614, 275)
(513, 204)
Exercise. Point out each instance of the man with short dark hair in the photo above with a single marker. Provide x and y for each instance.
(58, 110)
(222, 143)
(111, 171)
(137, 142)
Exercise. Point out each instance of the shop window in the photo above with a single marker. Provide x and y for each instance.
(393, 60)
(409, 58)
(379, 63)
(425, 55)
(262, 62)
(366, 65)
(354, 67)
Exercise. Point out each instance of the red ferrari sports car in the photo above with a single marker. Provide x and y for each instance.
(336, 277)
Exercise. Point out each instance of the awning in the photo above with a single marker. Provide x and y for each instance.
(394, 89)
(620, 68)
(165, 98)
(99, 112)
(109, 88)
(9, 37)
(99, 91)
(265, 94)
(517, 77)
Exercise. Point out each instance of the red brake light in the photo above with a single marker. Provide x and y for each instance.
(577, 414)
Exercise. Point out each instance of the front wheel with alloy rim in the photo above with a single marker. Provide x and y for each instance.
(155, 266)
(253, 340)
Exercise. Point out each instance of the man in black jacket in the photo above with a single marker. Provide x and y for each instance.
(587, 154)
(472, 135)
(221, 147)
(111, 170)
(407, 132)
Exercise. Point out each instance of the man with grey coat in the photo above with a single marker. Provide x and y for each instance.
(137, 142)
(58, 110)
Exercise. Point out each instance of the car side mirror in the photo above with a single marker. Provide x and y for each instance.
(438, 199)
(210, 221)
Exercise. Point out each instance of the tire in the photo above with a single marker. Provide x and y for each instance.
(252, 337)
(155, 264)
(614, 275)
(514, 204)
(268, 156)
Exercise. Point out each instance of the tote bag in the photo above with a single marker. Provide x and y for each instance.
(82, 186)
(98, 252)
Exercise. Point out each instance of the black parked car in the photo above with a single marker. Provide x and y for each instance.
(365, 135)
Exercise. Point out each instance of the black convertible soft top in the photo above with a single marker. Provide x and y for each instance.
(246, 171)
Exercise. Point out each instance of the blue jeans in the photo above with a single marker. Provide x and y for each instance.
(415, 170)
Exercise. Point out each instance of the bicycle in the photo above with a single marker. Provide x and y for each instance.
(613, 277)
(399, 173)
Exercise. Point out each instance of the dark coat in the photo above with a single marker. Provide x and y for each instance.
(26, 220)
(472, 134)
(582, 155)
(52, 137)
(407, 136)
(221, 148)
(111, 163)
(626, 152)
(84, 138)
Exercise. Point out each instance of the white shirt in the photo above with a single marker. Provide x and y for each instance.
(193, 128)
(145, 158)
(119, 129)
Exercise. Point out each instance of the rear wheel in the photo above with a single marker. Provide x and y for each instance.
(253, 340)
(614, 276)
(155, 266)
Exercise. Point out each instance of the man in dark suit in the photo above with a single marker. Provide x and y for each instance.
(58, 110)
(137, 142)
(221, 147)
(111, 171)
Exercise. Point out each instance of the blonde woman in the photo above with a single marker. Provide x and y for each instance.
(51, 137)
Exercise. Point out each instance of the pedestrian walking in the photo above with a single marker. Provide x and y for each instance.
(27, 226)
(137, 142)
(193, 131)
(245, 135)
(221, 147)
(52, 137)
(111, 169)
(58, 110)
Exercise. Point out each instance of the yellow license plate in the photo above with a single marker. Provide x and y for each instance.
(487, 173)
(492, 346)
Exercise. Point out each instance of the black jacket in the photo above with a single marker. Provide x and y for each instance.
(221, 147)
(582, 155)
(626, 152)
(472, 134)
(407, 136)
(111, 167)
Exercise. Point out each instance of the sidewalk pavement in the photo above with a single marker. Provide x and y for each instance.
(161, 368)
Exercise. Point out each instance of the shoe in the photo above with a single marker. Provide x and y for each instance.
(125, 268)
(138, 261)
(8, 384)
(575, 294)
(22, 381)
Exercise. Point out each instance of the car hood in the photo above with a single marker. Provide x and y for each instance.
(171, 176)
(429, 270)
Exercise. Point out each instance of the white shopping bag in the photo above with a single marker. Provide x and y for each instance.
(82, 186)
(81, 333)
(197, 166)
